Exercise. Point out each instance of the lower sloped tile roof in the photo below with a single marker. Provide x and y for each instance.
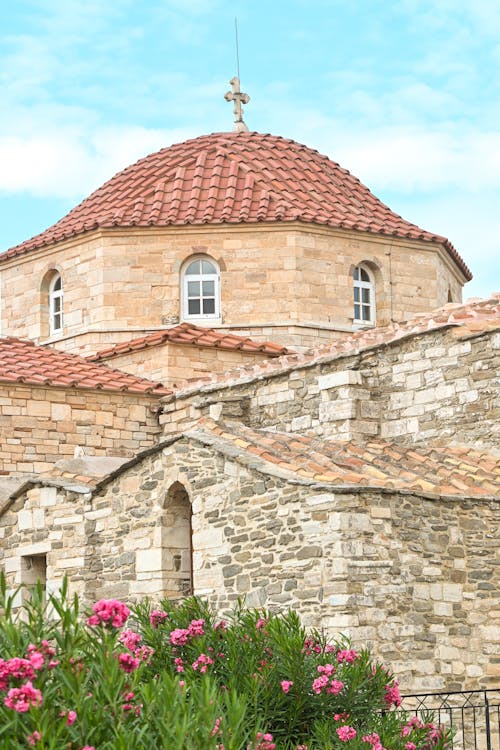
(435, 469)
(25, 362)
(188, 333)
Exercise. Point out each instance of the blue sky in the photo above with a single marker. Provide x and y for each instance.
(406, 95)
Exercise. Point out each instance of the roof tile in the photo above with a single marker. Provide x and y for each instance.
(234, 177)
(422, 469)
(24, 362)
(187, 333)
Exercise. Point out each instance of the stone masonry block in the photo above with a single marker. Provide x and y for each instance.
(335, 379)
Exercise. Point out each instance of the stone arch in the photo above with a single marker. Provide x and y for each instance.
(176, 542)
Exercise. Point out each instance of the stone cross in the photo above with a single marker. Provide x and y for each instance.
(238, 98)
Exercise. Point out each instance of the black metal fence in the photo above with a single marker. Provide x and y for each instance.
(474, 716)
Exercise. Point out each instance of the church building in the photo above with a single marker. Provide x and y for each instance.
(233, 371)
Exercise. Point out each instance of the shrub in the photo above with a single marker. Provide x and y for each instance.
(176, 676)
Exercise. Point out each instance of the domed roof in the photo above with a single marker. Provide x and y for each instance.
(233, 178)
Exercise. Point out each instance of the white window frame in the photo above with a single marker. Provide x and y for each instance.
(56, 300)
(361, 285)
(199, 278)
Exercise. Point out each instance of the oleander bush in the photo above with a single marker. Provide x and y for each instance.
(176, 676)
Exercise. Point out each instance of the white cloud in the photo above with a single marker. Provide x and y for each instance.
(67, 165)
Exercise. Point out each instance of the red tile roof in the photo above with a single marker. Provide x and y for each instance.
(24, 362)
(468, 318)
(186, 333)
(433, 468)
(234, 178)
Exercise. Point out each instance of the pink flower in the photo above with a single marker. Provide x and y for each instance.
(261, 623)
(128, 662)
(36, 659)
(71, 718)
(109, 612)
(335, 687)
(130, 639)
(311, 646)
(346, 733)
(19, 669)
(202, 663)
(21, 699)
(144, 653)
(410, 746)
(216, 728)
(87, 747)
(196, 627)
(319, 684)
(372, 739)
(392, 695)
(348, 655)
(327, 669)
(179, 637)
(286, 685)
(157, 617)
(32, 739)
(179, 664)
(264, 741)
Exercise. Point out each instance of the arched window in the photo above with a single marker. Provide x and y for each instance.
(201, 290)
(364, 296)
(55, 305)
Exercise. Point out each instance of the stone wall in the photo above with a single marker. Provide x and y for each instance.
(40, 425)
(432, 385)
(413, 578)
(270, 275)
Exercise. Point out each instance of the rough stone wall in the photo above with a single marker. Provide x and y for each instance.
(433, 385)
(39, 426)
(412, 578)
(47, 523)
(278, 275)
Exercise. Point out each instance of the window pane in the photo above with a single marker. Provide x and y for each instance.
(58, 284)
(209, 306)
(194, 306)
(208, 288)
(356, 294)
(364, 275)
(207, 267)
(366, 313)
(57, 304)
(194, 288)
(356, 274)
(366, 296)
(194, 267)
(356, 312)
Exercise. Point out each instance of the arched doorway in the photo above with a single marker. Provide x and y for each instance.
(176, 543)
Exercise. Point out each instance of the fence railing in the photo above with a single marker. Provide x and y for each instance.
(474, 715)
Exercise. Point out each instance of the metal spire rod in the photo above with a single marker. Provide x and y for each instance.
(236, 95)
(237, 46)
